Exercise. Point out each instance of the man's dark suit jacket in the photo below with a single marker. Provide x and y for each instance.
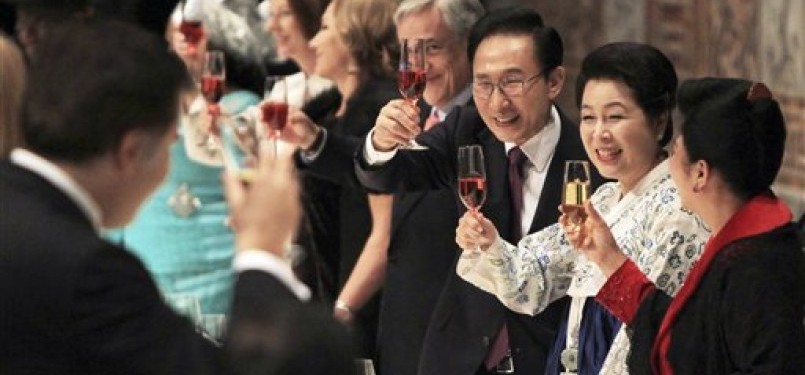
(73, 303)
(466, 319)
(420, 256)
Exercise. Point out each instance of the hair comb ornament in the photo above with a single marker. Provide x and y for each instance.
(758, 91)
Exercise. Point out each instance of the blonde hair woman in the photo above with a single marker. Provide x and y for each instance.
(357, 49)
(12, 84)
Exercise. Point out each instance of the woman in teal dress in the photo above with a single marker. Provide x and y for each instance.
(180, 233)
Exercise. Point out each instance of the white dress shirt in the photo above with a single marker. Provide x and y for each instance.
(539, 150)
(248, 259)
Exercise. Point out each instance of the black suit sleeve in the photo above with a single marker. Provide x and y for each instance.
(122, 326)
(431, 169)
(334, 161)
(272, 332)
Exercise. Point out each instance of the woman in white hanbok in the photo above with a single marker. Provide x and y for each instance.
(626, 92)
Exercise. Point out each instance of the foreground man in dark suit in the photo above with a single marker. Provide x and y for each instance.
(517, 74)
(99, 116)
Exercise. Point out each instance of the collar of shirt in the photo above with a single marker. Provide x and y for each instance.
(462, 98)
(64, 182)
(540, 148)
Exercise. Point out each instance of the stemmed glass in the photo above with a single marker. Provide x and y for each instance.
(577, 190)
(411, 77)
(471, 177)
(191, 26)
(275, 107)
(364, 366)
(213, 76)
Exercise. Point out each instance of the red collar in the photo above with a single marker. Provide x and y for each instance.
(760, 214)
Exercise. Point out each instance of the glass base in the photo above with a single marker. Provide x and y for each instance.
(413, 145)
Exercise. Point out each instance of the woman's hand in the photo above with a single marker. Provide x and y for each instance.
(593, 238)
(475, 232)
(300, 130)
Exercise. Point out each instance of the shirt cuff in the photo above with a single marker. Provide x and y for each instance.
(309, 156)
(373, 156)
(624, 291)
(254, 259)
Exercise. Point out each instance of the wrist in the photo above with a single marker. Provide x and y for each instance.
(313, 142)
(343, 306)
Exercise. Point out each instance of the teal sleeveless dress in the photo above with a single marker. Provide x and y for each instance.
(189, 251)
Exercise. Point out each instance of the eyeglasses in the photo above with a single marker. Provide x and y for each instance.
(511, 87)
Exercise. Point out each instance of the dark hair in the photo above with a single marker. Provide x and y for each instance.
(736, 127)
(308, 15)
(92, 82)
(548, 48)
(647, 72)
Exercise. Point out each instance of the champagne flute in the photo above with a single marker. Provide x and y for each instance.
(471, 177)
(213, 77)
(275, 107)
(411, 77)
(577, 190)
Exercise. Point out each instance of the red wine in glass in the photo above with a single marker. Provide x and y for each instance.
(275, 115)
(472, 190)
(212, 87)
(193, 32)
(471, 176)
(411, 84)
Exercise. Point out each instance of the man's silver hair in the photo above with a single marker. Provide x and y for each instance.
(459, 15)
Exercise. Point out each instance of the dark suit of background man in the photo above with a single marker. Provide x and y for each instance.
(422, 248)
(99, 117)
(517, 74)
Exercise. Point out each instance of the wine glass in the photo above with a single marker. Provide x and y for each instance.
(577, 190)
(213, 76)
(471, 177)
(274, 107)
(364, 366)
(191, 27)
(240, 143)
(185, 304)
(411, 77)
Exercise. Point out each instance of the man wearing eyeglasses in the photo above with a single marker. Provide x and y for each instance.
(420, 255)
(517, 75)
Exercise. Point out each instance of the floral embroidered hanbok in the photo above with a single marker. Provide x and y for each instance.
(651, 228)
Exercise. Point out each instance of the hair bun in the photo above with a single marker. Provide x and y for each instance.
(758, 91)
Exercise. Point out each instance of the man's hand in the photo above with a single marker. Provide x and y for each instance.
(475, 232)
(397, 124)
(265, 213)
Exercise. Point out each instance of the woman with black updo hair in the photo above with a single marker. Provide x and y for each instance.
(740, 309)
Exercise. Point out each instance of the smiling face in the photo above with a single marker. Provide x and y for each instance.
(511, 57)
(617, 135)
(286, 31)
(447, 68)
(332, 55)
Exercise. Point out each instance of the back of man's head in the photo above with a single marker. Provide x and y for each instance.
(519, 21)
(92, 82)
